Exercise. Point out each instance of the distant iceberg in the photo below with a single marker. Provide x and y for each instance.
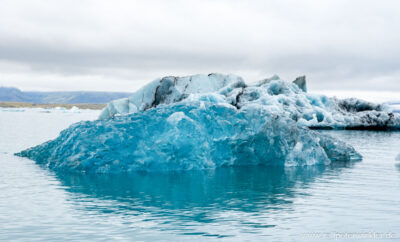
(272, 94)
(203, 122)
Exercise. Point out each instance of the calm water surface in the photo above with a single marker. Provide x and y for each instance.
(316, 203)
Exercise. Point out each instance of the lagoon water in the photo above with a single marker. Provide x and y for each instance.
(342, 201)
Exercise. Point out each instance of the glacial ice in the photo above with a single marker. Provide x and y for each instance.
(170, 90)
(208, 121)
(273, 94)
(199, 134)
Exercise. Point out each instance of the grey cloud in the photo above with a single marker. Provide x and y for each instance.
(337, 44)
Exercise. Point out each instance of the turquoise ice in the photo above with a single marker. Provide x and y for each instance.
(188, 135)
(209, 121)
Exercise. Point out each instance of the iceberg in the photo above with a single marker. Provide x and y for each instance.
(209, 121)
(188, 135)
(273, 94)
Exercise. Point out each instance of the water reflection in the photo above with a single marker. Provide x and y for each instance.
(245, 189)
(240, 202)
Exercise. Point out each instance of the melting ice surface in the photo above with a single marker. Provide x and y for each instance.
(208, 121)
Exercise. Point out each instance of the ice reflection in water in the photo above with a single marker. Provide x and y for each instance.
(225, 200)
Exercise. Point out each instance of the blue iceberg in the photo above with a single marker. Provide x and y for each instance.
(200, 122)
(188, 136)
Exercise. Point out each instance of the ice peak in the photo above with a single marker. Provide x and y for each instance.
(301, 83)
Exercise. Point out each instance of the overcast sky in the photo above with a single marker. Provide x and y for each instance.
(121, 45)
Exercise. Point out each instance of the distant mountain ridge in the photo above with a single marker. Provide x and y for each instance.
(12, 94)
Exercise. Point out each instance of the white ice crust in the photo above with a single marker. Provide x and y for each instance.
(272, 94)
